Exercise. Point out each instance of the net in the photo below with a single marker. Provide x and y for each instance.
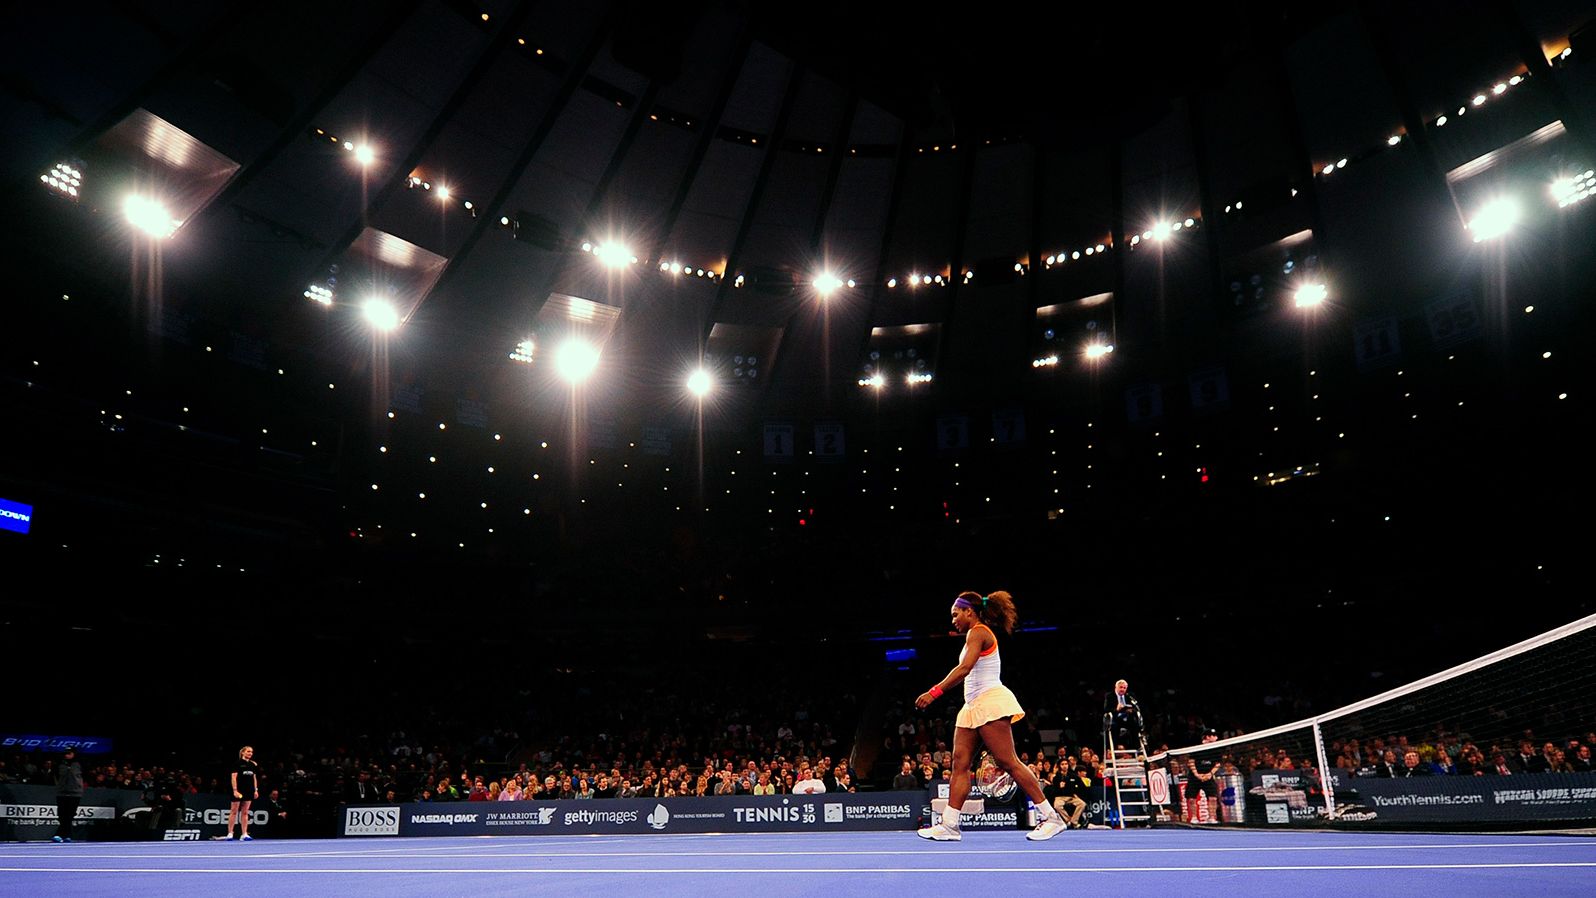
(1505, 739)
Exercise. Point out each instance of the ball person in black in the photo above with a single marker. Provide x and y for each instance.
(246, 788)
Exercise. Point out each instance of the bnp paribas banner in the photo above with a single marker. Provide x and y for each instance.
(1535, 797)
(755, 814)
(28, 813)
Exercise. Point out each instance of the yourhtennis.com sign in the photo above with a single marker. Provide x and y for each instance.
(1430, 799)
(774, 813)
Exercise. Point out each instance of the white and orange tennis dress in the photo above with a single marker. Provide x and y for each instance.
(985, 697)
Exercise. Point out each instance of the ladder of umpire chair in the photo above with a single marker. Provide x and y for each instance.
(1126, 768)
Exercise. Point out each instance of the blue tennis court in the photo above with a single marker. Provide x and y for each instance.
(1140, 862)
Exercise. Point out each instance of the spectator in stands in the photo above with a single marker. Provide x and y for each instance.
(1073, 785)
(1442, 765)
(906, 780)
(1581, 762)
(1388, 767)
(811, 785)
(764, 786)
(1528, 761)
(1500, 766)
(362, 790)
(276, 815)
(584, 789)
(446, 791)
(1412, 766)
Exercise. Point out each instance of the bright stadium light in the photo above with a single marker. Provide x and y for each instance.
(1494, 219)
(575, 360)
(1162, 230)
(320, 294)
(365, 155)
(524, 352)
(1310, 295)
(149, 216)
(380, 313)
(614, 255)
(699, 383)
(827, 283)
(1570, 190)
(443, 193)
(1098, 350)
(63, 180)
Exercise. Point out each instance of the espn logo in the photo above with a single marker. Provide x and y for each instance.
(181, 835)
(371, 821)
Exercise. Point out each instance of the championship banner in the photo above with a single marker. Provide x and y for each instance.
(720, 814)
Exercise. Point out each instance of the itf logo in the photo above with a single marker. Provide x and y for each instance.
(659, 817)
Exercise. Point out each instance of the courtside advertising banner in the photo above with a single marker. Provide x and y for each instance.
(1286, 797)
(28, 814)
(720, 814)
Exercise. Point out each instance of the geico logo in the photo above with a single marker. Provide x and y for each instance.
(768, 815)
(371, 817)
(217, 816)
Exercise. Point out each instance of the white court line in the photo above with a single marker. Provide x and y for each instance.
(1562, 843)
(939, 871)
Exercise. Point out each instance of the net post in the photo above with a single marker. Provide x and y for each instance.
(1326, 785)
